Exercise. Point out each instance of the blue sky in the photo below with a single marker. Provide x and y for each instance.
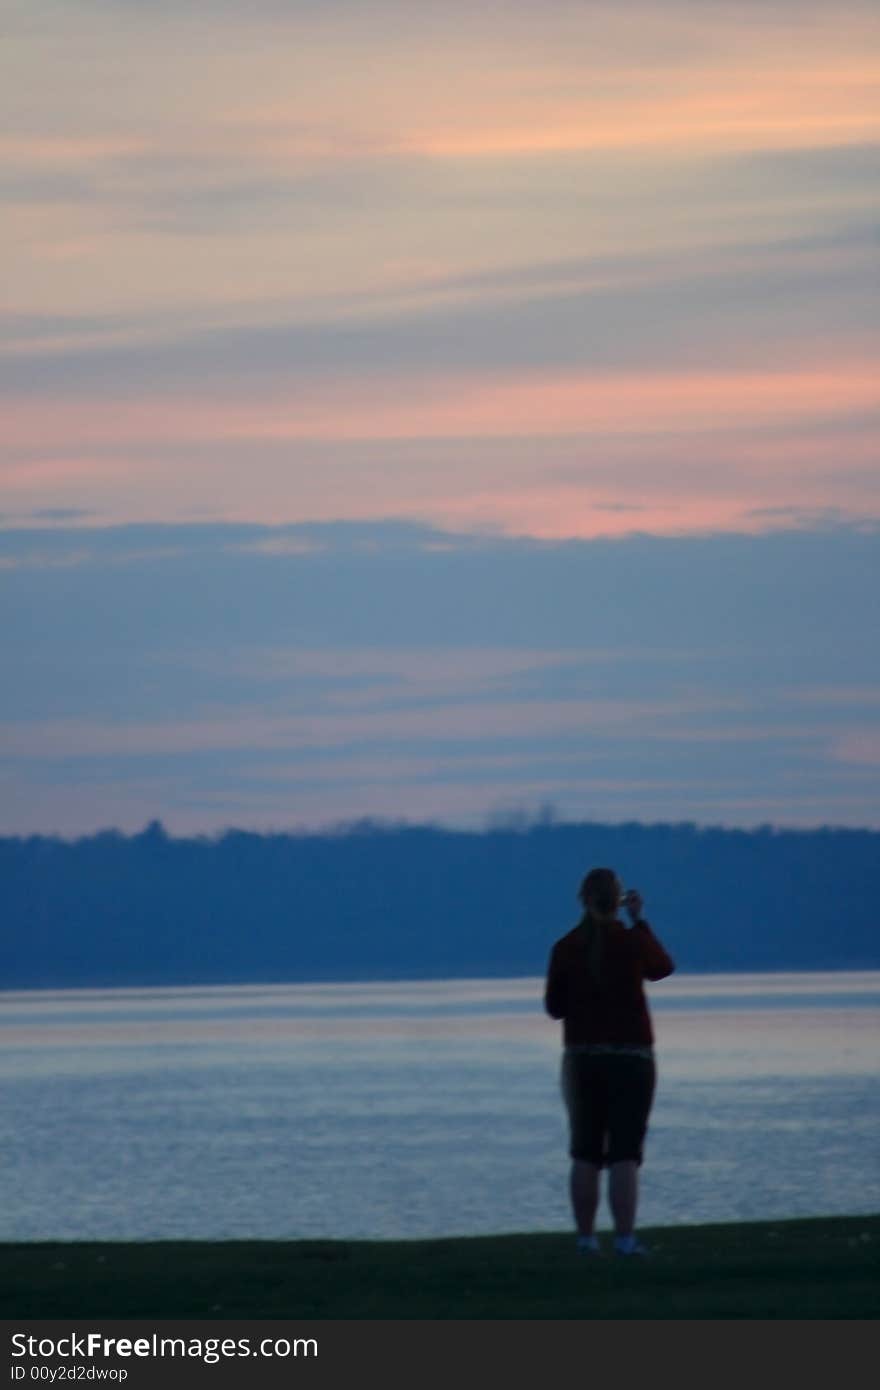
(222, 675)
(437, 409)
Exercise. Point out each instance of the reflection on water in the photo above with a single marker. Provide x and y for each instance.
(428, 1108)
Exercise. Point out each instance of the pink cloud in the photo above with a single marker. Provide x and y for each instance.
(859, 746)
(685, 447)
(667, 718)
(449, 405)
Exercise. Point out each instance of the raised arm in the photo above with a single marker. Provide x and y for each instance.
(656, 961)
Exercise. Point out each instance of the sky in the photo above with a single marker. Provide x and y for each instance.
(438, 411)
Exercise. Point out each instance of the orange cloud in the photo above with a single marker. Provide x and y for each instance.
(732, 110)
(55, 149)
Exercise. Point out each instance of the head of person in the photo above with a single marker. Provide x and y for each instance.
(601, 893)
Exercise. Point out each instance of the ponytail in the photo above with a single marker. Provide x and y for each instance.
(599, 889)
(595, 934)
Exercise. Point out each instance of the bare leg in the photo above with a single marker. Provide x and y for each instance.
(584, 1194)
(623, 1195)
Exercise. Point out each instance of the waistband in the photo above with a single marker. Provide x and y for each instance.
(610, 1050)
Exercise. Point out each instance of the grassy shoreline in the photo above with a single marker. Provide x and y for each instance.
(824, 1267)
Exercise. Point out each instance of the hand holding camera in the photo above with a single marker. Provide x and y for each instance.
(632, 901)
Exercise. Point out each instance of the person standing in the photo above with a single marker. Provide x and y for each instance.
(595, 987)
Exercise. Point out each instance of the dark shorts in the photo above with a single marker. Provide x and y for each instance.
(608, 1096)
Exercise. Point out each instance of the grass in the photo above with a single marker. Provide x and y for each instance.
(818, 1268)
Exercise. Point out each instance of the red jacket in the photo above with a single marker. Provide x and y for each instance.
(605, 1003)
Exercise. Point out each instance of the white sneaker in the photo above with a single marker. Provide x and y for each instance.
(629, 1245)
(588, 1245)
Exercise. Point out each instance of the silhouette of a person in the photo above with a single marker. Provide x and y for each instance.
(595, 986)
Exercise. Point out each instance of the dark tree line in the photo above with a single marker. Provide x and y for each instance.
(395, 902)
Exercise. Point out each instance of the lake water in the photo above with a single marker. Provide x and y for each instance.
(420, 1109)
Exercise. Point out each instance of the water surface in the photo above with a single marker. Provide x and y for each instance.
(418, 1109)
